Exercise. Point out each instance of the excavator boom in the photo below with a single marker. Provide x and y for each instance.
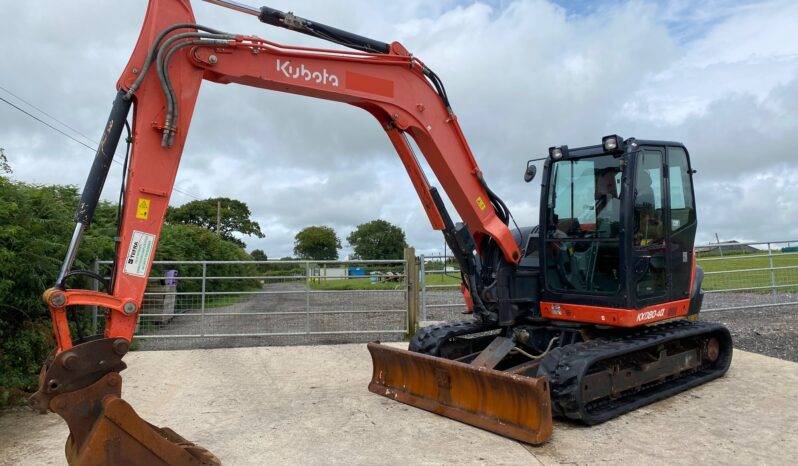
(161, 82)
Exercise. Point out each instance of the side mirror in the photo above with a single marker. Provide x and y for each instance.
(530, 172)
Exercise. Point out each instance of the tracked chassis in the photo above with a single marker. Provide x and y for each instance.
(593, 374)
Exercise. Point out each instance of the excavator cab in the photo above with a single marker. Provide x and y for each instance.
(599, 301)
(617, 226)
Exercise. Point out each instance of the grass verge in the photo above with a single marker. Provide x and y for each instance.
(718, 280)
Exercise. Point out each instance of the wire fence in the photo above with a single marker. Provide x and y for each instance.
(245, 303)
(749, 275)
(441, 298)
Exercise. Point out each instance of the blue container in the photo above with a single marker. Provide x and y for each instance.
(357, 271)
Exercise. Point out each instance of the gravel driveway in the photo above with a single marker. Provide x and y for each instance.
(770, 331)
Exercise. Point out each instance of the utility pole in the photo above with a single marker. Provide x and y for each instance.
(219, 218)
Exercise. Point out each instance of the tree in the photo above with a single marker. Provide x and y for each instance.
(258, 255)
(234, 216)
(193, 243)
(4, 166)
(377, 240)
(317, 243)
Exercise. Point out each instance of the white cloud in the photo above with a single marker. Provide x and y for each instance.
(720, 76)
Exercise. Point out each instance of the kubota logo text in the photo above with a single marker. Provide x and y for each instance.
(301, 72)
(648, 315)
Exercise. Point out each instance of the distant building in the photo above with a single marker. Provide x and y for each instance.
(726, 247)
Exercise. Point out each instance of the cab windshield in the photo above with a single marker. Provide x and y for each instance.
(584, 198)
(584, 224)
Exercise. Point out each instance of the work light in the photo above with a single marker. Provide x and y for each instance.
(612, 143)
(557, 153)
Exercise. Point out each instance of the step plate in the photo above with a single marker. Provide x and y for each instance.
(507, 404)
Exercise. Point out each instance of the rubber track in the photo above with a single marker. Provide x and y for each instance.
(429, 340)
(566, 366)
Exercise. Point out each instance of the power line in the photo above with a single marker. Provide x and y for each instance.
(50, 126)
(185, 193)
(42, 111)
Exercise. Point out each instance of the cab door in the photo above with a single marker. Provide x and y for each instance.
(649, 257)
(681, 221)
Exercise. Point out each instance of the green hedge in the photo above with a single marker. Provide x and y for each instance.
(36, 223)
(35, 227)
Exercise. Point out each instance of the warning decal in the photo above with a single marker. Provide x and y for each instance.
(143, 208)
(139, 253)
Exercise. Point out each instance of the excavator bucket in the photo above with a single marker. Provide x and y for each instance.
(103, 428)
(508, 404)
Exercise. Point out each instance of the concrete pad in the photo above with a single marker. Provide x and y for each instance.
(310, 405)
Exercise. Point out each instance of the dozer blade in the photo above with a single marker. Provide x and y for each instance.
(507, 404)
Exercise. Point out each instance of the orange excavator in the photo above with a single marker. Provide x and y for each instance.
(589, 315)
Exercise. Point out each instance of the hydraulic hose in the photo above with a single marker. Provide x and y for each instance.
(162, 61)
(153, 50)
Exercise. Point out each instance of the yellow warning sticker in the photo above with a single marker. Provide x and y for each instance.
(143, 209)
(480, 203)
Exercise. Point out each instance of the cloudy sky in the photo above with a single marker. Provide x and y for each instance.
(720, 76)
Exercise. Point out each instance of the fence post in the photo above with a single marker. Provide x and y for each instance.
(422, 273)
(772, 276)
(95, 268)
(202, 304)
(307, 297)
(411, 277)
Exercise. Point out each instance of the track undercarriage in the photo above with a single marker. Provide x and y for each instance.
(590, 374)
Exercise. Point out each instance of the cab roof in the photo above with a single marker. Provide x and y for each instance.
(598, 149)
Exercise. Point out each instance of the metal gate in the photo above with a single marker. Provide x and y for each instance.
(243, 303)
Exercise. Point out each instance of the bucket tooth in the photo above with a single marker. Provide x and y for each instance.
(511, 405)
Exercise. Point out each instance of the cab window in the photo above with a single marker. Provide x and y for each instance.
(681, 190)
(649, 225)
(584, 200)
(584, 219)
